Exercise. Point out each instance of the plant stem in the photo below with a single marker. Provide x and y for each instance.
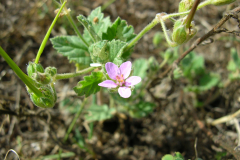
(139, 36)
(108, 3)
(74, 26)
(71, 75)
(191, 14)
(27, 80)
(48, 34)
(163, 63)
(155, 22)
(74, 120)
(71, 125)
(201, 5)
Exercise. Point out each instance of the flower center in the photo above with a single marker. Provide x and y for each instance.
(120, 79)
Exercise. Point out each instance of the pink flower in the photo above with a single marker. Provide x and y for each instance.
(120, 78)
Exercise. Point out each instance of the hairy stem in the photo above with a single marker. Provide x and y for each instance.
(48, 34)
(27, 80)
(74, 26)
(71, 75)
(75, 119)
(144, 31)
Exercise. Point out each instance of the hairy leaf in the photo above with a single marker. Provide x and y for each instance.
(73, 48)
(89, 28)
(98, 22)
(89, 85)
(119, 30)
(99, 52)
(115, 48)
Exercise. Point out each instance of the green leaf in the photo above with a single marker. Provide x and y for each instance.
(89, 85)
(179, 156)
(208, 81)
(115, 48)
(79, 139)
(141, 109)
(193, 65)
(99, 113)
(98, 52)
(73, 48)
(158, 38)
(171, 54)
(98, 22)
(140, 67)
(232, 66)
(234, 63)
(119, 30)
(167, 157)
(88, 27)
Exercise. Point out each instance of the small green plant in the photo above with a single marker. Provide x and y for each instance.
(104, 49)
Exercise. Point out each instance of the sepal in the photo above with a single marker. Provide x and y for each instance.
(34, 68)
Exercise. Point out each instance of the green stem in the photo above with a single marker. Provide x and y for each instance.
(156, 21)
(74, 120)
(163, 63)
(48, 34)
(27, 80)
(139, 36)
(74, 26)
(201, 5)
(108, 3)
(71, 75)
(71, 125)
(160, 18)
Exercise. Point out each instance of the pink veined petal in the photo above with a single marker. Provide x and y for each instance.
(125, 69)
(108, 84)
(133, 80)
(124, 92)
(112, 70)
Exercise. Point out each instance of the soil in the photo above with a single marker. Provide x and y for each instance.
(174, 126)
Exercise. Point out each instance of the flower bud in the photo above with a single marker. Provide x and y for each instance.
(52, 71)
(185, 5)
(42, 78)
(181, 34)
(33, 68)
(47, 100)
(221, 2)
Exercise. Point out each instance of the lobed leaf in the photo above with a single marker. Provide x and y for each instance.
(98, 22)
(73, 48)
(119, 30)
(115, 48)
(89, 28)
(89, 85)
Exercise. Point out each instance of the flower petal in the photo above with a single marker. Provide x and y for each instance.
(124, 92)
(112, 70)
(108, 84)
(133, 80)
(125, 69)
